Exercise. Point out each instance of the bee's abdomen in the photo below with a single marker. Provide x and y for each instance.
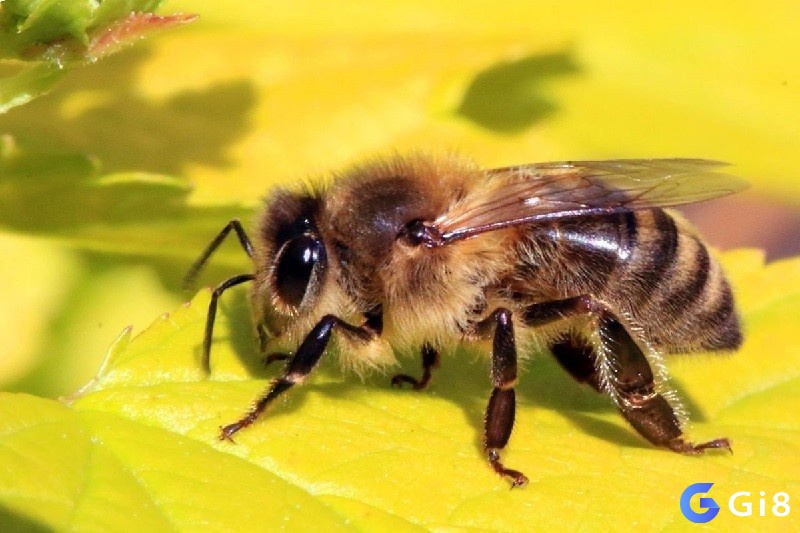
(648, 265)
(673, 287)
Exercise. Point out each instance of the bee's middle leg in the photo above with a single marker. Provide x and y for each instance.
(430, 360)
(576, 356)
(499, 419)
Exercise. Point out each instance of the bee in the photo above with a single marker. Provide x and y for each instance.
(425, 253)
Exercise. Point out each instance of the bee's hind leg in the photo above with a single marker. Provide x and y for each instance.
(430, 360)
(629, 380)
(619, 367)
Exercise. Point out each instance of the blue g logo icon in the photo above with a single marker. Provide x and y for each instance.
(709, 506)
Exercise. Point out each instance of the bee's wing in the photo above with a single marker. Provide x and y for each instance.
(526, 194)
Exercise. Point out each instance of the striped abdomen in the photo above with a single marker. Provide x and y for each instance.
(648, 265)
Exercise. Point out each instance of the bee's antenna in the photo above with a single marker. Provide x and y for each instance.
(212, 314)
(197, 266)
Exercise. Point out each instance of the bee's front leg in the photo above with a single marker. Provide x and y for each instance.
(499, 420)
(299, 366)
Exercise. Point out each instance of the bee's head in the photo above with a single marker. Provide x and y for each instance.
(291, 263)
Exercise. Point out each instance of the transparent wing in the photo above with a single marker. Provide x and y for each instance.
(526, 194)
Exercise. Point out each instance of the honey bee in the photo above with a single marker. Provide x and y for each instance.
(423, 253)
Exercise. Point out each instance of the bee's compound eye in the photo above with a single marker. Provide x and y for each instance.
(295, 264)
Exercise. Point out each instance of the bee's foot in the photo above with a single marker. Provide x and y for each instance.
(681, 446)
(518, 479)
(399, 379)
(226, 433)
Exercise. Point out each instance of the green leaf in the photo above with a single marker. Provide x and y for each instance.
(28, 83)
(40, 39)
(30, 22)
(31, 27)
(339, 453)
(125, 213)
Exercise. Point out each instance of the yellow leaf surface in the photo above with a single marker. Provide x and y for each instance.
(339, 452)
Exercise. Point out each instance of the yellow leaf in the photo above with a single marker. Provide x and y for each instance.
(144, 435)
